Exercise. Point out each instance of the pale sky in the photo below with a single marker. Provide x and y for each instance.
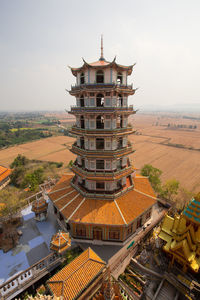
(40, 38)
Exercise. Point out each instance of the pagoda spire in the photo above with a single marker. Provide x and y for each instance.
(101, 57)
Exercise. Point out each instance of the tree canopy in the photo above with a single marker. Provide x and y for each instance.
(154, 176)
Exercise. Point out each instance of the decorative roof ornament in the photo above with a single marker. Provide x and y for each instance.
(101, 57)
(60, 242)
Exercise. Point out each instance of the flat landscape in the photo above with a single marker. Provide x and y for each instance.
(169, 142)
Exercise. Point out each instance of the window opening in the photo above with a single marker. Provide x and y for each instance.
(82, 101)
(100, 122)
(99, 143)
(100, 100)
(100, 76)
(82, 78)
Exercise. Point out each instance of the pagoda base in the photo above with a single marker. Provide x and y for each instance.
(100, 221)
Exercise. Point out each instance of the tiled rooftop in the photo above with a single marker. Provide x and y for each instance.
(121, 211)
(77, 275)
(4, 172)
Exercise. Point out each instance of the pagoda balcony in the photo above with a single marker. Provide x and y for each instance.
(99, 193)
(102, 174)
(101, 152)
(127, 109)
(98, 86)
(103, 132)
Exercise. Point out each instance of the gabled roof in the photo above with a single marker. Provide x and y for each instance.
(77, 275)
(101, 64)
(4, 172)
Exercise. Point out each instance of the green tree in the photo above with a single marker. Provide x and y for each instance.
(20, 160)
(154, 176)
(170, 189)
(33, 179)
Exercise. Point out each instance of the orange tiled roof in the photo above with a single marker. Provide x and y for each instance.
(4, 172)
(76, 276)
(121, 211)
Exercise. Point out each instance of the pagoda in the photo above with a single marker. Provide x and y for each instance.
(60, 242)
(181, 236)
(105, 200)
(39, 207)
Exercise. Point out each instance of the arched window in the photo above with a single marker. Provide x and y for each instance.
(82, 103)
(100, 100)
(119, 78)
(100, 122)
(82, 78)
(100, 76)
(82, 122)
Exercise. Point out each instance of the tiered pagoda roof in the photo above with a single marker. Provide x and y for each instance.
(60, 242)
(39, 205)
(182, 236)
(192, 211)
(120, 211)
(101, 64)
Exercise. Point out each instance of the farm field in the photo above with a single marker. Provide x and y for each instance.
(49, 149)
(155, 143)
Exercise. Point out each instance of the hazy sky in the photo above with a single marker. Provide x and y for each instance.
(40, 38)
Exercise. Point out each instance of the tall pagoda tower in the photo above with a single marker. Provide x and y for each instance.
(105, 200)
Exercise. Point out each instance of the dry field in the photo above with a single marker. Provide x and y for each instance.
(49, 149)
(151, 147)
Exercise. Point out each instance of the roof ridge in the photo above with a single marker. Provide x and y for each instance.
(116, 204)
(145, 194)
(102, 261)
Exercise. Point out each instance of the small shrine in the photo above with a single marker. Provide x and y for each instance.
(182, 236)
(39, 207)
(60, 242)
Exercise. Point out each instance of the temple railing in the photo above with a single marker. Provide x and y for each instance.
(88, 109)
(106, 196)
(103, 173)
(105, 131)
(26, 278)
(101, 85)
(101, 152)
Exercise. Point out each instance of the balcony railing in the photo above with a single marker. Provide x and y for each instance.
(102, 173)
(107, 196)
(100, 85)
(75, 108)
(102, 152)
(95, 130)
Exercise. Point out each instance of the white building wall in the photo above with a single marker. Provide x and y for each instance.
(92, 144)
(114, 144)
(106, 75)
(108, 144)
(124, 161)
(92, 124)
(92, 76)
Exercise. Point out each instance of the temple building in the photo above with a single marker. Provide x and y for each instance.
(181, 235)
(104, 199)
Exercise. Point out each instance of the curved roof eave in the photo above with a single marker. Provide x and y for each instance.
(110, 64)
